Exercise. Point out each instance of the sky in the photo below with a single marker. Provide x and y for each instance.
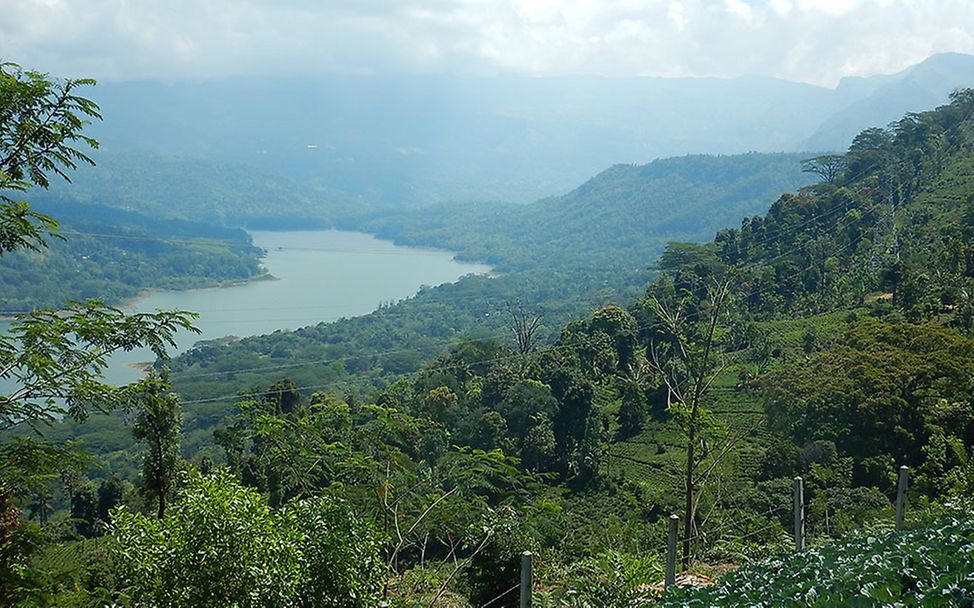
(815, 41)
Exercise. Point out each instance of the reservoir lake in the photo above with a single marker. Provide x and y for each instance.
(319, 275)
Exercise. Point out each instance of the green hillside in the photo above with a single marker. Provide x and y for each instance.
(896, 220)
(554, 263)
(824, 365)
(557, 258)
(114, 255)
(213, 192)
(614, 222)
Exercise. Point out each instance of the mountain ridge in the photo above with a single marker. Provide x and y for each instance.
(924, 85)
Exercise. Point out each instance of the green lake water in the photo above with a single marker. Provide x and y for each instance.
(320, 275)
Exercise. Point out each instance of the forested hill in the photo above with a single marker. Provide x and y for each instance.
(111, 254)
(146, 209)
(894, 220)
(829, 338)
(209, 191)
(619, 219)
(559, 258)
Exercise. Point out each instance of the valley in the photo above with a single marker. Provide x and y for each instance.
(312, 277)
(400, 383)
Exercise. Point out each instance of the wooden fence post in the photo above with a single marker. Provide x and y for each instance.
(527, 562)
(799, 514)
(901, 487)
(671, 538)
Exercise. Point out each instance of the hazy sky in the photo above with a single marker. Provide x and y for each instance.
(810, 40)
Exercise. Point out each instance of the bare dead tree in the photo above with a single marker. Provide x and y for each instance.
(524, 326)
(684, 361)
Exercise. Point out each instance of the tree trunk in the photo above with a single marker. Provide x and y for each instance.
(688, 499)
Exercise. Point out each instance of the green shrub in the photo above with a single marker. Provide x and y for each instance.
(221, 545)
(610, 578)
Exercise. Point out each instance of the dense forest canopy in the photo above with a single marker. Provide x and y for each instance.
(610, 223)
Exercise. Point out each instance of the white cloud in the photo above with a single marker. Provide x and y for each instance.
(829, 7)
(811, 40)
(742, 10)
(677, 15)
(781, 7)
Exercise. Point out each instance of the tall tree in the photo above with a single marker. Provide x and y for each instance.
(829, 166)
(84, 508)
(682, 354)
(111, 493)
(634, 384)
(524, 326)
(157, 420)
(41, 122)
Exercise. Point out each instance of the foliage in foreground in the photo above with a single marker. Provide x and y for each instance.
(610, 578)
(925, 566)
(222, 545)
(50, 360)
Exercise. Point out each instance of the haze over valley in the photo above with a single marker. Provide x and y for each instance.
(413, 140)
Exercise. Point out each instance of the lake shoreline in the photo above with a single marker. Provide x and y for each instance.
(311, 277)
(145, 294)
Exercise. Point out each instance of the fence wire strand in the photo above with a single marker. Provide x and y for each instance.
(498, 597)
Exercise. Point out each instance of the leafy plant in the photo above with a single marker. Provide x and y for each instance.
(222, 545)
(926, 566)
(607, 579)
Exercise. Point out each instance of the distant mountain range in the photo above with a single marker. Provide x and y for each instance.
(418, 140)
(879, 100)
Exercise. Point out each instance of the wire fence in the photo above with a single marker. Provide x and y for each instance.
(501, 596)
(707, 537)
